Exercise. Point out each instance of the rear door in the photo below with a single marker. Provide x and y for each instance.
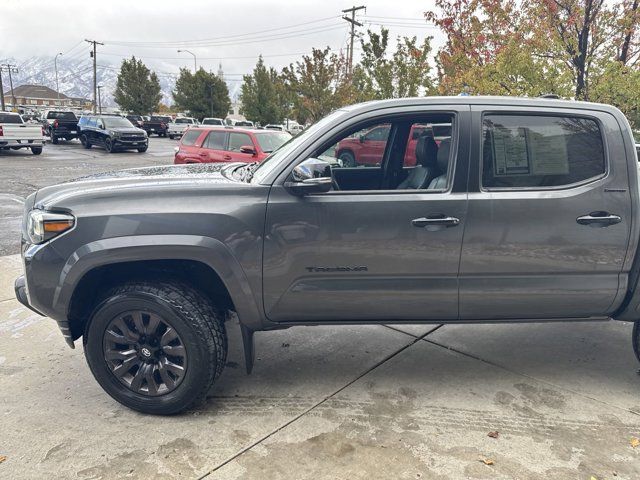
(214, 146)
(549, 215)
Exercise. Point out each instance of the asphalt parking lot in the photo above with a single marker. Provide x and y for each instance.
(560, 400)
(23, 173)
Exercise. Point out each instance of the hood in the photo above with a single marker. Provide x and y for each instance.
(146, 179)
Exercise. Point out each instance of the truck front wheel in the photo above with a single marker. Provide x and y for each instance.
(156, 347)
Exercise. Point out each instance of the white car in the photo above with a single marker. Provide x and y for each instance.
(213, 121)
(15, 134)
(179, 126)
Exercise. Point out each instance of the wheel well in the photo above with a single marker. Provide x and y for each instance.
(95, 283)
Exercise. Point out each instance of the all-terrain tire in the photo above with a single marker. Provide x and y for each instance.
(199, 325)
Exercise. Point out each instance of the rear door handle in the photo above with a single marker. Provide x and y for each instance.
(599, 219)
(227, 157)
(435, 220)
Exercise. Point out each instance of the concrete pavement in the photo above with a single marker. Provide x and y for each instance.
(336, 402)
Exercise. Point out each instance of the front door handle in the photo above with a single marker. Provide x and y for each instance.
(227, 157)
(435, 220)
(599, 219)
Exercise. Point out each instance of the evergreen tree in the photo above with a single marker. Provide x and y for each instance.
(137, 89)
(202, 94)
(260, 99)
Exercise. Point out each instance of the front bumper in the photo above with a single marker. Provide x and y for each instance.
(121, 143)
(22, 295)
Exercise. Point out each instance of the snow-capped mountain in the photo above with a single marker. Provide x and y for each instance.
(76, 78)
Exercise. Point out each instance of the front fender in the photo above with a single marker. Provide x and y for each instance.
(207, 250)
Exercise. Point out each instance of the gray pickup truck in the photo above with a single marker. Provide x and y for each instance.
(512, 210)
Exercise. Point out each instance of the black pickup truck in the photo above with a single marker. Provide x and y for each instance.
(157, 124)
(60, 124)
(501, 210)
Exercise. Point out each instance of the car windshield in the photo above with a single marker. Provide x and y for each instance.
(61, 115)
(212, 121)
(10, 118)
(135, 118)
(272, 162)
(184, 120)
(271, 141)
(116, 122)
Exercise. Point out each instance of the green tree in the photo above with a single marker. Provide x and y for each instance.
(202, 94)
(260, 99)
(318, 85)
(404, 73)
(137, 88)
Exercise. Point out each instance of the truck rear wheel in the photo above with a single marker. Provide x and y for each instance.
(36, 150)
(54, 139)
(156, 347)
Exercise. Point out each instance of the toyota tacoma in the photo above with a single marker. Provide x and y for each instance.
(526, 210)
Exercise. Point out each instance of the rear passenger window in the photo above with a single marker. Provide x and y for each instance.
(215, 141)
(540, 151)
(190, 137)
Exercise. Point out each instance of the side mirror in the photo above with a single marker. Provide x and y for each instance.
(311, 176)
(248, 149)
(362, 138)
(101, 126)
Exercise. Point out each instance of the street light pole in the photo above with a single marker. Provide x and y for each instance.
(195, 68)
(99, 99)
(55, 63)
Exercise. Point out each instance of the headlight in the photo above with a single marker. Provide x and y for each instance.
(115, 134)
(43, 226)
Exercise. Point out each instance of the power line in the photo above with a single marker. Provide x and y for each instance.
(173, 44)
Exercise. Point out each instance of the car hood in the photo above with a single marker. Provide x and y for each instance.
(146, 179)
(127, 130)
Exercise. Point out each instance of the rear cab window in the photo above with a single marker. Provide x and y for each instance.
(61, 116)
(540, 151)
(10, 118)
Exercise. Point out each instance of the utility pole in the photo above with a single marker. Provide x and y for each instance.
(55, 63)
(1, 92)
(353, 23)
(95, 73)
(99, 100)
(11, 69)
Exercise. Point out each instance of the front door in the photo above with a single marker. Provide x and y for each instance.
(549, 216)
(354, 254)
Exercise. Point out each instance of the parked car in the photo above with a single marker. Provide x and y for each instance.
(15, 134)
(207, 145)
(295, 129)
(60, 124)
(528, 214)
(365, 148)
(272, 126)
(111, 132)
(156, 124)
(136, 120)
(179, 125)
(213, 121)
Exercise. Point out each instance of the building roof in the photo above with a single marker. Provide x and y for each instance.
(35, 91)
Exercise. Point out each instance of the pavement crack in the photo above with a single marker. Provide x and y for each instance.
(531, 377)
(415, 340)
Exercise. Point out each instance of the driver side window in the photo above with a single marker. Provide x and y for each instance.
(406, 154)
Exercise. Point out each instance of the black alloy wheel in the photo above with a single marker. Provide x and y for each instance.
(145, 353)
(108, 145)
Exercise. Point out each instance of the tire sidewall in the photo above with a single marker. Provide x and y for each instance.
(198, 363)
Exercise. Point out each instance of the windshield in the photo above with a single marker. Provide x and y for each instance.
(184, 120)
(10, 118)
(212, 121)
(272, 140)
(61, 115)
(135, 118)
(116, 122)
(272, 162)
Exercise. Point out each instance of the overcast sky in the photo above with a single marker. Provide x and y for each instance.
(226, 32)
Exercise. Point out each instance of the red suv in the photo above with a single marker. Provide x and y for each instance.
(367, 147)
(227, 144)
